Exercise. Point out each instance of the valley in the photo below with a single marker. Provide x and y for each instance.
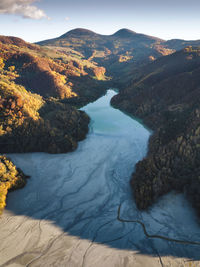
(79, 203)
(71, 217)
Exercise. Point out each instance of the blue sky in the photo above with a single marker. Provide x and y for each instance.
(35, 20)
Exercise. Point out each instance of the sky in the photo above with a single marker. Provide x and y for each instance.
(36, 20)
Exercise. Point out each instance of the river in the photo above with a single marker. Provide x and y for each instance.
(68, 213)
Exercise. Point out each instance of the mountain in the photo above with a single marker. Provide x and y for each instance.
(88, 42)
(119, 53)
(166, 96)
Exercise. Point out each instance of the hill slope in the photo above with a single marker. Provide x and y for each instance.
(166, 96)
(118, 53)
(33, 118)
(29, 82)
(121, 53)
(88, 42)
(50, 72)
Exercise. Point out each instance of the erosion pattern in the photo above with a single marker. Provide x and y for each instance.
(83, 214)
(166, 97)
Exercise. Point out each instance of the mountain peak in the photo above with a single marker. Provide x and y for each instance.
(78, 32)
(124, 33)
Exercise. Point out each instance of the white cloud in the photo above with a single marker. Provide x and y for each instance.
(23, 8)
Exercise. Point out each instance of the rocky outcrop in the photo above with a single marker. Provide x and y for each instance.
(168, 102)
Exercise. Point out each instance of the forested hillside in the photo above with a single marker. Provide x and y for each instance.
(36, 85)
(166, 96)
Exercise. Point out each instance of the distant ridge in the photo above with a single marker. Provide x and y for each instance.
(83, 34)
(123, 33)
(124, 46)
(119, 52)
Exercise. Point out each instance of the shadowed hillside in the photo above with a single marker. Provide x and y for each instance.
(98, 46)
(119, 53)
(166, 96)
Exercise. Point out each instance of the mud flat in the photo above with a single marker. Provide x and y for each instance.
(77, 208)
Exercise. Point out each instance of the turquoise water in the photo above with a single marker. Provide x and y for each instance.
(108, 120)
